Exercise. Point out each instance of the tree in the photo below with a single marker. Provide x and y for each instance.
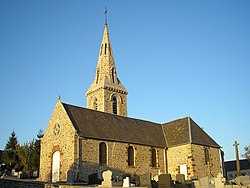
(10, 156)
(247, 152)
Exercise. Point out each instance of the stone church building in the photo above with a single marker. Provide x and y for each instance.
(83, 141)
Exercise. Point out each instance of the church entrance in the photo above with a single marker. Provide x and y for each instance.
(56, 166)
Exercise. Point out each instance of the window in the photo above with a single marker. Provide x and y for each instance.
(102, 153)
(97, 76)
(101, 50)
(95, 105)
(105, 48)
(114, 104)
(113, 75)
(154, 158)
(131, 156)
(206, 153)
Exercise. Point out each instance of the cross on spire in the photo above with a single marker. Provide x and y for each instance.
(106, 15)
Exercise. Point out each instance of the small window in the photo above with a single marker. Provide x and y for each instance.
(114, 104)
(95, 105)
(154, 158)
(97, 76)
(206, 154)
(102, 153)
(131, 156)
(113, 74)
(105, 48)
(101, 50)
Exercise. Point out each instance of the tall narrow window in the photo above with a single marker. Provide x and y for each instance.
(114, 104)
(97, 76)
(206, 153)
(102, 153)
(113, 75)
(101, 50)
(131, 156)
(105, 48)
(154, 158)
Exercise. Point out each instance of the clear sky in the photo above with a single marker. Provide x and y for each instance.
(176, 58)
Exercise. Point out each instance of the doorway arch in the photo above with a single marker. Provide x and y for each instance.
(56, 166)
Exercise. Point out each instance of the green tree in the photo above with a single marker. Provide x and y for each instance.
(247, 152)
(36, 151)
(29, 153)
(10, 156)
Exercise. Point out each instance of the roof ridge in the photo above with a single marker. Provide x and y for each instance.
(110, 114)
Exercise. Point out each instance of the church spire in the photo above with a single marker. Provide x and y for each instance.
(107, 93)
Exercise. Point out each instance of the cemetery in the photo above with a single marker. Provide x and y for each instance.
(145, 180)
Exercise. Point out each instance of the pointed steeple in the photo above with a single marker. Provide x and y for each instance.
(107, 88)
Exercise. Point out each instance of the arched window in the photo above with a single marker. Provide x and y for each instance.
(206, 153)
(131, 156)
(154, 157)
(102, 153)
(114, 104)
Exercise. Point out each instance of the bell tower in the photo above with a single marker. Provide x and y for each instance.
(106, 93)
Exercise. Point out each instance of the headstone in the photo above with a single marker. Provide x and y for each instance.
(145, 180)
(15, 174)
(106, 175)
(156, 178)
(126, 182)
(219, 181)
(165, 181)
(204, 182)
(243, 180)
(180, 178)
(93, 179)
(70, 176)
(12, 172)
(22, 175)
(135, 180)
(35, 174)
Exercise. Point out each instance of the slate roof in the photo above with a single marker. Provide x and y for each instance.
(105, 126)
(185, 130)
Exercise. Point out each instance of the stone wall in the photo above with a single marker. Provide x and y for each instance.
(60, 135)
(117, 159)
(200, 167)
(179, 155)
(193, 156)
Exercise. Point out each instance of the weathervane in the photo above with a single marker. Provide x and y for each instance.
(106, 15)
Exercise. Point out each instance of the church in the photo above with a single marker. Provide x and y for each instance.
(84, 141)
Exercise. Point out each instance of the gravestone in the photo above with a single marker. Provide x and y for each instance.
(70, 176)
(93, 179)
(106, 175)
(145, 180)
(12, 172)
(126, 182)
(35, 174)
(180, 178)
(135, 179)
(165, 181)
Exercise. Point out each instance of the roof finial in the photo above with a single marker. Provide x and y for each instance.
(59, 98)
(106, 15)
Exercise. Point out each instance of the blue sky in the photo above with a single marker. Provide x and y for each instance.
(176, 58)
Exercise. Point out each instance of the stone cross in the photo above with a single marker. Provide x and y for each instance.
(237, 157)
